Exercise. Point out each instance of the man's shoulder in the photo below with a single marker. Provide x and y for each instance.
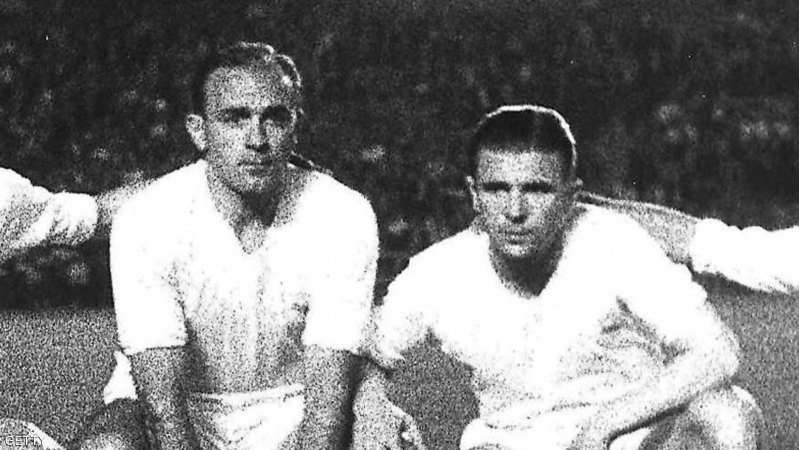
(451, 273)
(10, 178)
(614, 238)
(456, 253)
(600, 223)
(164, 199)
(323, 198)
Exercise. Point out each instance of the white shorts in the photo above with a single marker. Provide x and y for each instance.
(554, 430)
(263, 420)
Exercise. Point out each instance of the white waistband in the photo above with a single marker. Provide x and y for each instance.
(238, 400)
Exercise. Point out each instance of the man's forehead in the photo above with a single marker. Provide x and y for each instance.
(518, 165)
(260, 83)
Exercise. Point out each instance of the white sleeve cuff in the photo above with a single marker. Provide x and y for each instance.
(707, 245)
(75, 218)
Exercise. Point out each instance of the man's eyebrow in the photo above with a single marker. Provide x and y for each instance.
(491, 184)
(236, 111)
(279, 107)
(539, 185)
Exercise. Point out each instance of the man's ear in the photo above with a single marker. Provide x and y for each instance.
(194, 125)
(477, 220)
(575, 186)
(472, 191)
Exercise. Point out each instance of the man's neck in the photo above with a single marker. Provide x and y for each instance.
(528, 276)
(242, 211)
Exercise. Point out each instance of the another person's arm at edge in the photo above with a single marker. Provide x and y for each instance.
(109, 202)
(34, 216)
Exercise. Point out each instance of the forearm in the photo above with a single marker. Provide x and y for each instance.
(159, 376)
(329, 386)
(173, 431)
(325, 428)
(372, 390)
(685, 378)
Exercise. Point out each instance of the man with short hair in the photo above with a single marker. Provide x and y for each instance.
(242, 282)
(579, 331)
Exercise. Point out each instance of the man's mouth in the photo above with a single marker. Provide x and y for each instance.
(517, 236)
(258, 169)
(265, 164)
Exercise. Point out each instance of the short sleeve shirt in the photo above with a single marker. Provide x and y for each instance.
(181, 279)
(601, 326)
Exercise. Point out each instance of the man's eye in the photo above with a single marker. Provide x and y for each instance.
(236, 117)
(279, 116)
(493, 188)
(538, 189)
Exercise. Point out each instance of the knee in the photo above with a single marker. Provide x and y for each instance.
(728, 419)
(107, 441)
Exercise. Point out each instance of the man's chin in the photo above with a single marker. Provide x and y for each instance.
(518, 251)
(259, 185)
(260, 190)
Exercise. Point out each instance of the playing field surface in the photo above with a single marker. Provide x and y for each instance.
(53, 366)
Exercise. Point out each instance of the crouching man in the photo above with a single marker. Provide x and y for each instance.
(242, 283)
(581, 334)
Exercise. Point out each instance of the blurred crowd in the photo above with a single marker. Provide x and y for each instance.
(684, 103)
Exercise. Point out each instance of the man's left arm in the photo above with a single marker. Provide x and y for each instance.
(330, 379)
(697, 368)
(704, 351)
(340, 302)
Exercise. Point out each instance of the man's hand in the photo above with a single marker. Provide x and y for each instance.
(380, 425)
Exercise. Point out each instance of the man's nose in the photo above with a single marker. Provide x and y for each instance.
(258, 135)
(515, 210)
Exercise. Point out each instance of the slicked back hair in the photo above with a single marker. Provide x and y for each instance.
(536, 127)
(242, 54)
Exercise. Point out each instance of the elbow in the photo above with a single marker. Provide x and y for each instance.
(726, 355)
(729, 364)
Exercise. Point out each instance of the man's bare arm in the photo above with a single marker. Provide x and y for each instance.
(697, 368)
(159, 375)
(330, 378)
(671, 228)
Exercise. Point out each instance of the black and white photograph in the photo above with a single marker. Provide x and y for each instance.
(399, 225)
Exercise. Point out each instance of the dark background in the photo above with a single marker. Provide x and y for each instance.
(691, 104)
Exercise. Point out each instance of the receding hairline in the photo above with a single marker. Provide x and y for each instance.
(271, 72)
(248, 56)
